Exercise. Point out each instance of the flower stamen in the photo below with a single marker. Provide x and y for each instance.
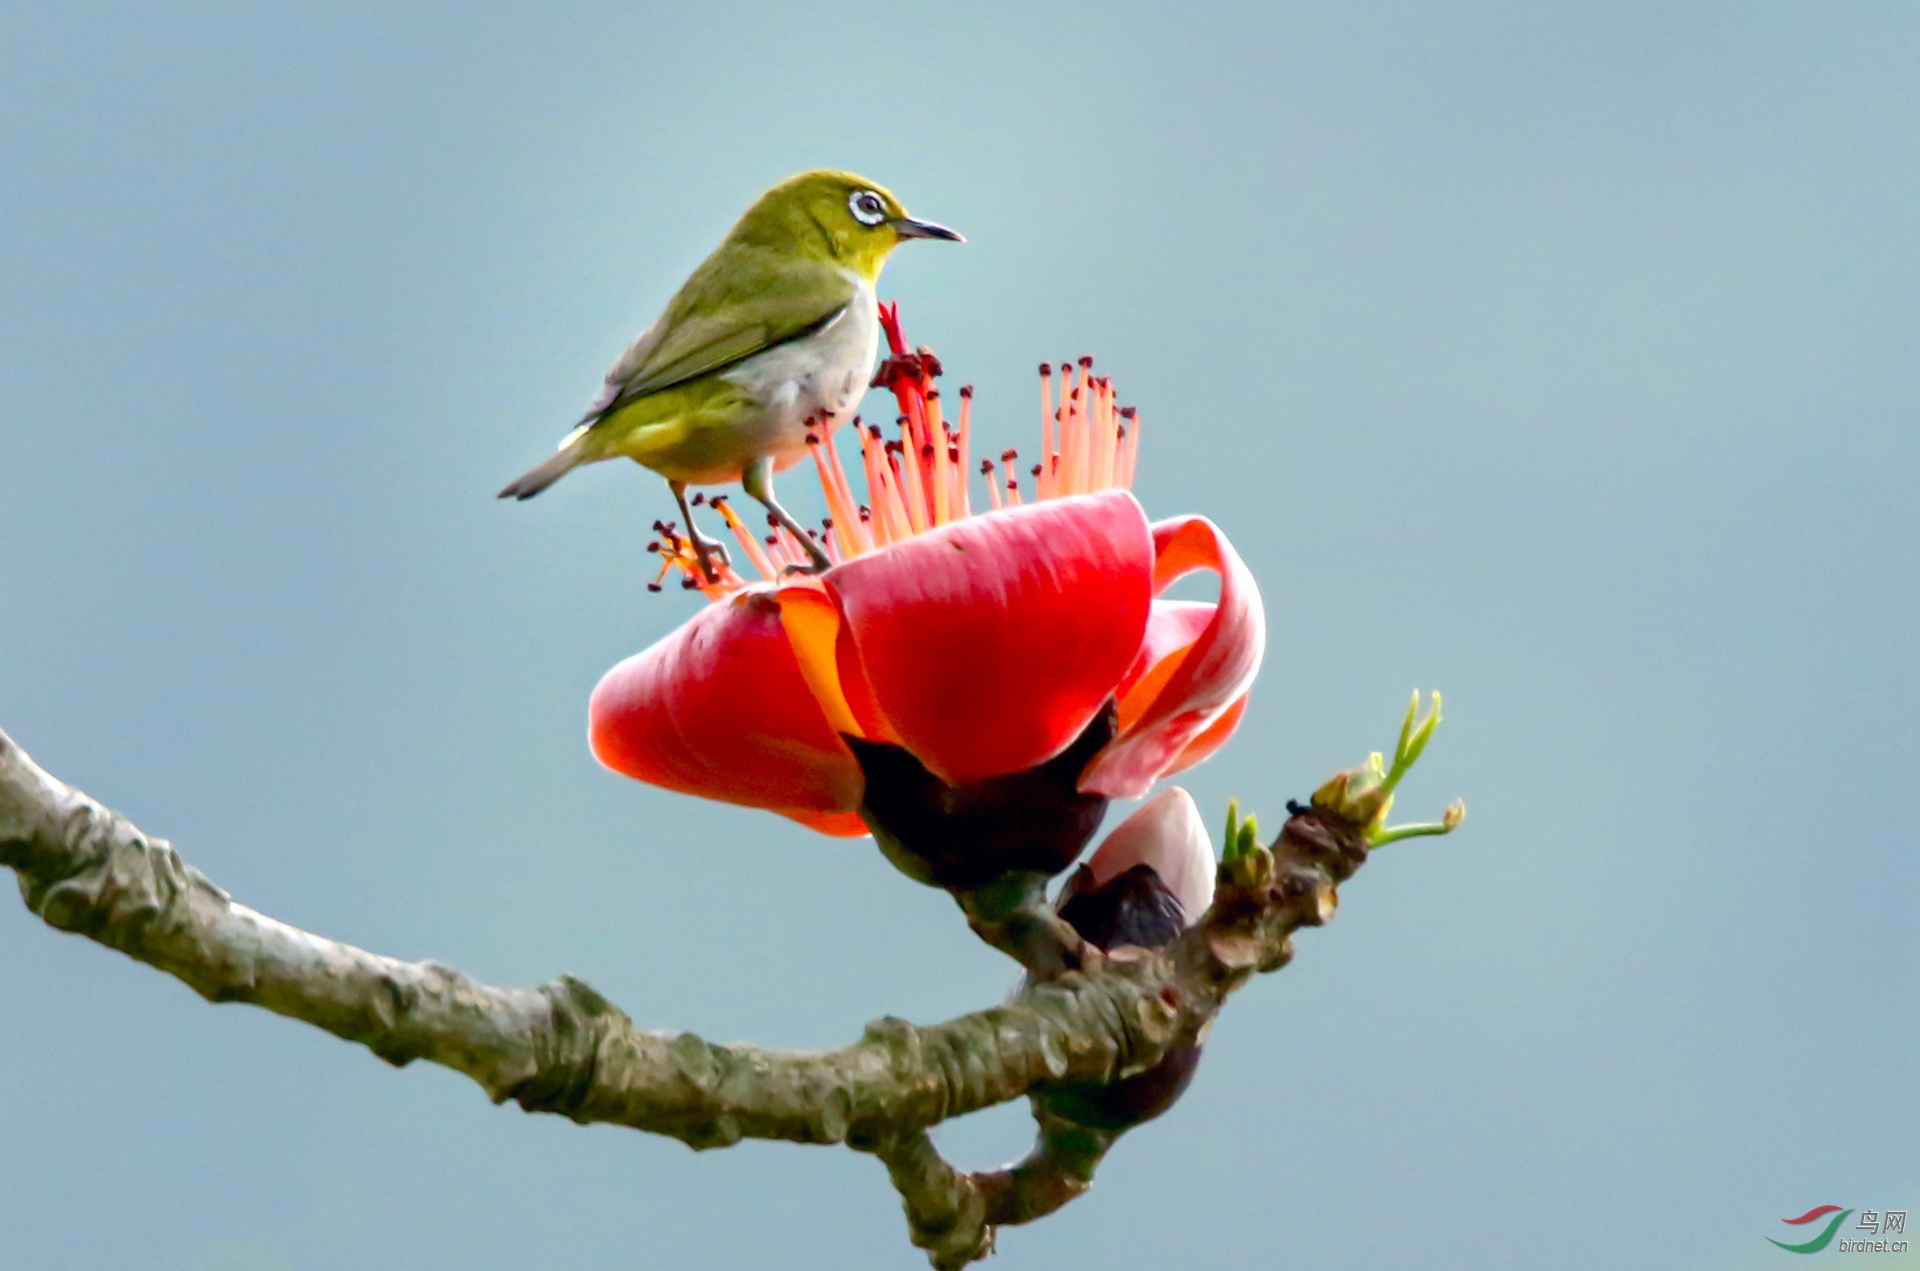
(839, 499)
(963, 448)
(745, 537)
(993, 486)
(1048, 414)
(911, 487)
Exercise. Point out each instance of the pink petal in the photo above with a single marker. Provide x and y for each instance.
(1167, 835)
(1216, 672)
(719, 708)
(989, 643)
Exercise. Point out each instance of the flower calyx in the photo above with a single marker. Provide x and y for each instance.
(966, 836)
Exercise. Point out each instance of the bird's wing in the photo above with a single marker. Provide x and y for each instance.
(740, 301)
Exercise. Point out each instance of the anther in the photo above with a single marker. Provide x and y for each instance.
(699, 497)
(966, 390)
(1086, 361)
(1009, 454)
(653, 586)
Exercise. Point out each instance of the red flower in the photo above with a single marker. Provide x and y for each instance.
(982, 645)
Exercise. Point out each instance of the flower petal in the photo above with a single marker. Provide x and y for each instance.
(1211, 740)
(990, 643)
(841, 825)
(719, 708)
(812, 623)
(1167, 835)
(1216, 672)
(1173, 627)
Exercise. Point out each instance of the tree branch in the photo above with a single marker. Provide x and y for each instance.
(564, 1049)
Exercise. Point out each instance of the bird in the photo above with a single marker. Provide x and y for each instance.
(774, 334)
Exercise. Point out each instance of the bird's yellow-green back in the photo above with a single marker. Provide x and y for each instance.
(793, 266)
(788, 264)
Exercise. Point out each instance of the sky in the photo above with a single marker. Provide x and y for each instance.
(1558, 357)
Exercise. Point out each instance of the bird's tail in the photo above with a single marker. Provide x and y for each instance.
(540, 476)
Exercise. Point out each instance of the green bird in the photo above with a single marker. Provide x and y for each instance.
(775, 332)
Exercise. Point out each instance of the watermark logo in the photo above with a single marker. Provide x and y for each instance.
(1892, 1223)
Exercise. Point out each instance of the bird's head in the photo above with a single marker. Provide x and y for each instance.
(836, 216)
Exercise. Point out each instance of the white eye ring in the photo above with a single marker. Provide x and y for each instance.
(867, 207)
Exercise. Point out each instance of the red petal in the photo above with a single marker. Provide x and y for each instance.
(1215, 673)
(719, 709)
(989, 643)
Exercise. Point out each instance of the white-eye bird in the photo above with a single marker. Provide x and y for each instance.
(774, 332)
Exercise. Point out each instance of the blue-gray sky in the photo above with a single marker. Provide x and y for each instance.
(1560, 357)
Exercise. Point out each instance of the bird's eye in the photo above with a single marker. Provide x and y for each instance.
(867, 207)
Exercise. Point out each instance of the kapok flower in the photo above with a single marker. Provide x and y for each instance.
(968, 648)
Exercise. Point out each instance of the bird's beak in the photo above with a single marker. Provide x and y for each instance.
(907, 227)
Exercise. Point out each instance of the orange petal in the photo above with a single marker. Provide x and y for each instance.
(1173, 627)
(719, 708)
(1214, 675)
(989, 643)
(841, 825)
(1211, 740)
(813, 628)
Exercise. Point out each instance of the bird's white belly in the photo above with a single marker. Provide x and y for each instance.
(820, 377)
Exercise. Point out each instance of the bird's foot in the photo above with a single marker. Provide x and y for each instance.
(707, 550)
(818, 562)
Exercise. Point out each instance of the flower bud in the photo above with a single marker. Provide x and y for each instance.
(1150, 879)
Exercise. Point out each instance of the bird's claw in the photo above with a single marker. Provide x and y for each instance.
(705, 550)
